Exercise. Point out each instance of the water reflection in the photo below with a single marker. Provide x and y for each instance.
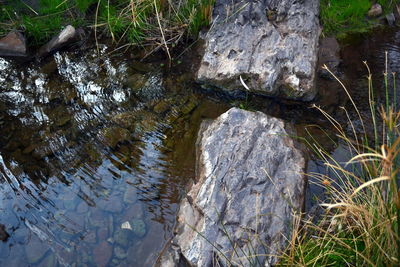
(94, 156)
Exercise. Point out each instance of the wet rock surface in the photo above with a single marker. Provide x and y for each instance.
(65, 37)
(271, 44)
(249, 182)
(13, 45)
(102, 254)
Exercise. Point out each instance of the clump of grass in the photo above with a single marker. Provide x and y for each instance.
(341, 17)
(361, 223)
(158, 23)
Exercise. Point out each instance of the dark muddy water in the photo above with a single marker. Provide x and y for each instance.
(96, 151)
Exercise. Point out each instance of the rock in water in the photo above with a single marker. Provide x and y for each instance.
(249, 182)
(102, 254)
(65, 37)
(271, 44)
(13, 45)
(375, 11)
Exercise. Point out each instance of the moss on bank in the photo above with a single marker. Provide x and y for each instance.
(342, 17)
(138, 22)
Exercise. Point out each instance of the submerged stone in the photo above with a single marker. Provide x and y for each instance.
(162, 106)
(102, 254)
(120, 253)
(65, 37)
(90, 237)
(49, 261)
(122, 237)
(138, 227)
(97, 218)
(115, 135)
(35, 250)
(136, 81)
(130, 195)
(135, 211)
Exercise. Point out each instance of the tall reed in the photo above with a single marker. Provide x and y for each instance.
(360, 225)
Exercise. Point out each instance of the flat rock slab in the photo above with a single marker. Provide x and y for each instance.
(272, 44)
(249, 182)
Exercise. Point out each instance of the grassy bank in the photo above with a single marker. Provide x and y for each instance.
(156, 22)
(360, 224)
(342, 17)
(138, 22)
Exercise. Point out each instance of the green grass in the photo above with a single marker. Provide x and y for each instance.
(159, 23)
(342, 17)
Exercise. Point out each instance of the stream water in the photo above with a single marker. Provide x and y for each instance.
(95, 151)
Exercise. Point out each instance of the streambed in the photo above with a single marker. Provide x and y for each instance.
(96, 150)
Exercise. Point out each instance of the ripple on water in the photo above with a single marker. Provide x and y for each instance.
(83, 154)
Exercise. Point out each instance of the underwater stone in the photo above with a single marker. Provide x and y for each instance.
(122, 237)
(130, 195)
(97, 218)
(115, 135)
(162, 106)
(67, 36)
(35, 250)
(113, 204)
(82, 207)
(90, 237)
(120, 253)
(138, 227)
(136, 81)
(102, 233)
(135, 211)
(49, 261)
(102, 254)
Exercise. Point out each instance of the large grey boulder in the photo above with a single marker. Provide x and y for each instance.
(272, 44)
(13, 45)
(249, 183)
